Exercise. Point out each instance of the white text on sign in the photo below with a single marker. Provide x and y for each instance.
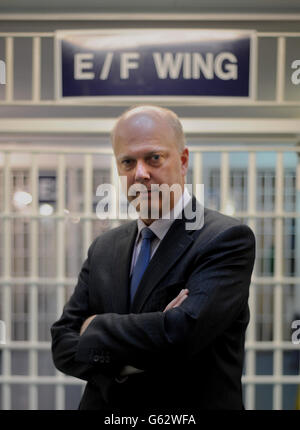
(168, 65)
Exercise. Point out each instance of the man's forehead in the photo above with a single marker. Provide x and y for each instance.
(150, 111)
(143, 122)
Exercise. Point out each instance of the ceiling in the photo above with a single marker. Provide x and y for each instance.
(153, 6)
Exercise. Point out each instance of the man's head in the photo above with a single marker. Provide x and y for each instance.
(149, 147)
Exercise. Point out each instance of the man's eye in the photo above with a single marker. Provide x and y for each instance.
(155, 157)
(126, 162)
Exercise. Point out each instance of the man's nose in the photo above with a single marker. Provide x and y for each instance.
(141, 171)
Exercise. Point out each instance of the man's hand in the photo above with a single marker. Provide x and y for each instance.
(173, 304)
(178, 300)
(129, 370)
(86, 323)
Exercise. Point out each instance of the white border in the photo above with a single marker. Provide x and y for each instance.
(180, 100)
(150, 16)
(192, 126)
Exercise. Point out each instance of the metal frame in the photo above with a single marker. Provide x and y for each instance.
(192, 126)
(33, 345)
(153, 99)
(197, 101)
(198, 127)
(150, 17)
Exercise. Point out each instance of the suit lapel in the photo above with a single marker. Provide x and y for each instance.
(122, 259)
(173, 246)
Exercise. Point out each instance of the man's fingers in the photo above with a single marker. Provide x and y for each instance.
(173, 302)
(178, 299)
(86, 323)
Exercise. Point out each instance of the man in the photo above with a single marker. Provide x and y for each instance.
(168, 332)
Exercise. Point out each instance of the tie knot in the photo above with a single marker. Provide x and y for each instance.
(147, 233)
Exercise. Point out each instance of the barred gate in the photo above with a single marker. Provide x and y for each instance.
(31, 71)
(48, 219)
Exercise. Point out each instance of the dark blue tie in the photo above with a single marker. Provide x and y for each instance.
(142, 261)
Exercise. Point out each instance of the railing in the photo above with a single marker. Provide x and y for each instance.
(279, 97)
(251, 379)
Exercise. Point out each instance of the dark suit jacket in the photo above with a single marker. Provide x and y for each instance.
(202, 367)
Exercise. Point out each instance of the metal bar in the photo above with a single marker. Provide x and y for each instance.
(125, 100)
(16, 345)
(243, 148)
(9, 57)
(88, 202)
(114, 180)
(57, 150)
(224, 181)
(60, 230)
(33, 292)
(253, 85)
(44, 281)
(197, 174)
(278, 34)
(280, 70)
(150, 17)
(26, 34)
(52, 34)
(40, 380)
(162, 101)
(36, 69)
(250, 334)
(60, 265)
(197, 168)
(108, 150)
(70, 281)
(6, 391)
(257, 345)
(271, 345)
(91, 217)
(270, 379)
(278, 266)
(48, 380)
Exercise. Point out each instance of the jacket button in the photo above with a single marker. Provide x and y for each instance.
(121, 379)
(96, 358)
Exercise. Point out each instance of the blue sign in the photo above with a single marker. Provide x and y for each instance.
(156, 62)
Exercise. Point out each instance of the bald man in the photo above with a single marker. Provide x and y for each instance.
(159, 313)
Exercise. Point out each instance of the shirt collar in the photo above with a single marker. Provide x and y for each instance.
(161, 226)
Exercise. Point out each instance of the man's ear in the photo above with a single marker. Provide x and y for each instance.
(184, 157)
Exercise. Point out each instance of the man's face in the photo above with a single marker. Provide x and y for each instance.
(147, 153)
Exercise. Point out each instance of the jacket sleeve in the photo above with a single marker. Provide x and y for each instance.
(101, 352)
(65, 331)
(218, 291)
